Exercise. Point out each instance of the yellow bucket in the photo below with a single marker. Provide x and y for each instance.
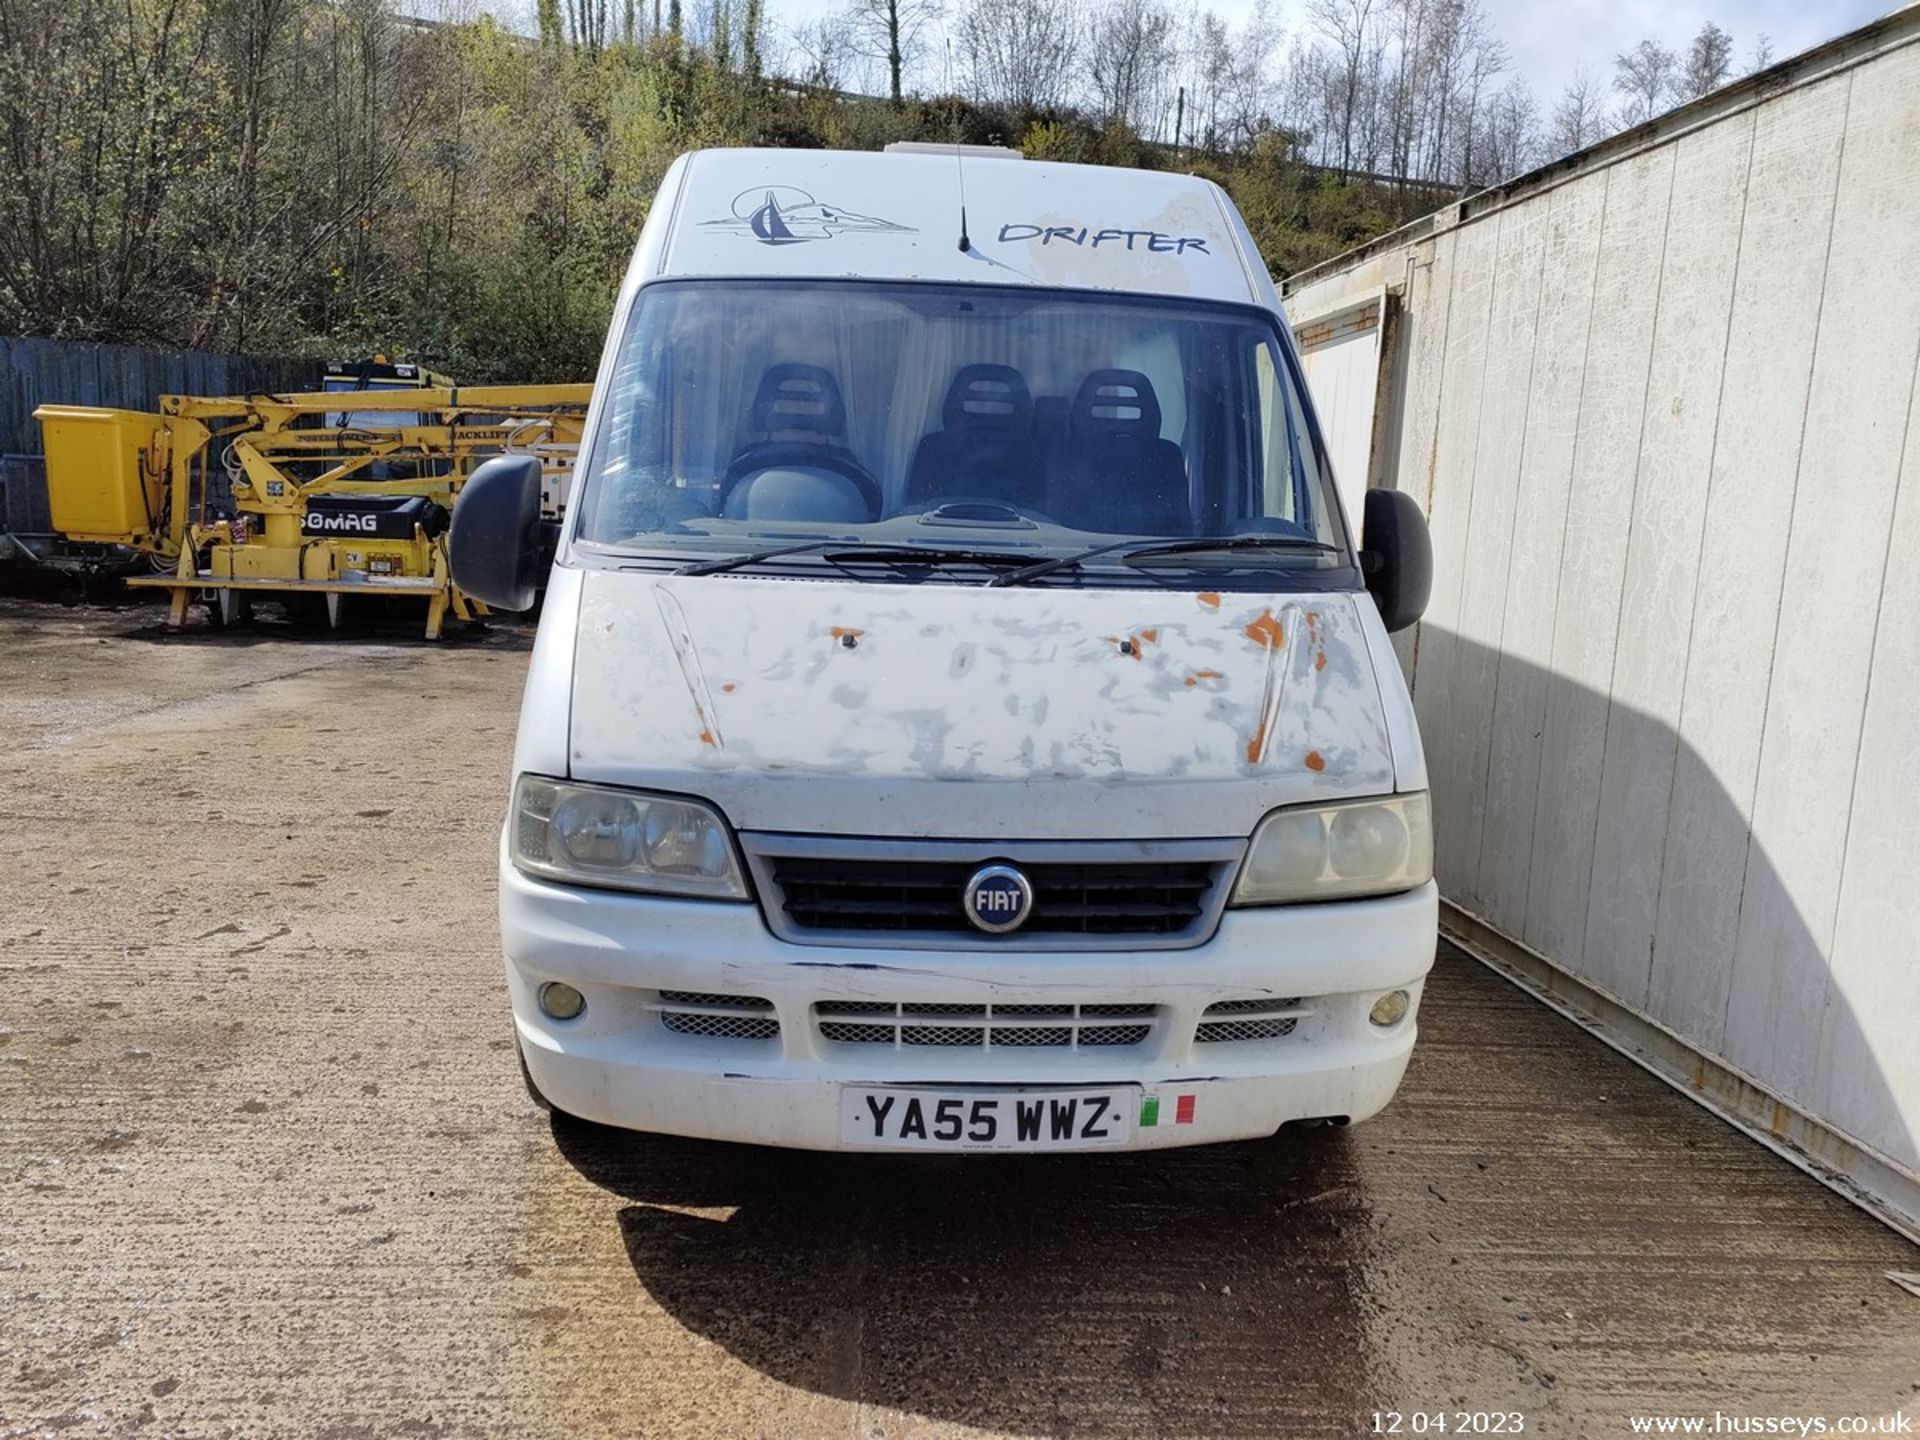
(104, 482)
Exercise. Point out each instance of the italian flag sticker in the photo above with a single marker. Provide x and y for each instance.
(1150, 1110)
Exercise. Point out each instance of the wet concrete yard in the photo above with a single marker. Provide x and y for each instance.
(268, 1167)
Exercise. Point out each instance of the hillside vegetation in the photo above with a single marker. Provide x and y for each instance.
(328, 176)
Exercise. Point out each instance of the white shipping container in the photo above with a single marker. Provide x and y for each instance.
(1658, 400)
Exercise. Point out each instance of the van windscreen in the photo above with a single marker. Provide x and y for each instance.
(747, 413)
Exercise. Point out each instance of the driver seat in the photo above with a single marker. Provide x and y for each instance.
(985, 448)
(798, 422)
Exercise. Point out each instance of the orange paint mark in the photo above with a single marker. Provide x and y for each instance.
(1314, 762)
(729, 687)
(1266, 632)
(1152, 637)
(1256, 747)
(841, 632)
(1197, 676)
(1320, 661)
(1210, 599)
(706, 738)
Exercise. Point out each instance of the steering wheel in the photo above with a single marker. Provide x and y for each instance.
(800, 454)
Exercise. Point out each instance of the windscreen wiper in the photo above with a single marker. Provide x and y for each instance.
(754, 557)
(845, 551)
(1129, 550)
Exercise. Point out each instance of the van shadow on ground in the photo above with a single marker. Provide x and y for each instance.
(1209, 1289)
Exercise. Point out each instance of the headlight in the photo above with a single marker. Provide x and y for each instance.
(596, 835)
(1333, 852)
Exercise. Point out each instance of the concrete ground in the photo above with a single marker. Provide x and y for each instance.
(268, 1167)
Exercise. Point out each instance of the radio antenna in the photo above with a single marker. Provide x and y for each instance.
(960, 164)
(959, 160)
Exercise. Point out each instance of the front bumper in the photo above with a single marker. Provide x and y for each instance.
(621, 1065)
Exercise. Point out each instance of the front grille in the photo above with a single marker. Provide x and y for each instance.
(1237, 1020)
(868, 1022)
(1114, 897)
(718, 1017)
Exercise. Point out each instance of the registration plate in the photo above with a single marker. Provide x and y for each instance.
(899, 1117)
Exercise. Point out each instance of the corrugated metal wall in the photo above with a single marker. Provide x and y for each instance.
(36, 372)
(1660, 404)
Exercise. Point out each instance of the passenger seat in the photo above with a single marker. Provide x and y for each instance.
(1117, 475)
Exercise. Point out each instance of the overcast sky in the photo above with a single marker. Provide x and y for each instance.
(1550, 39)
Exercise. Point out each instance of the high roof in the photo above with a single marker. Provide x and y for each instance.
(897, 216)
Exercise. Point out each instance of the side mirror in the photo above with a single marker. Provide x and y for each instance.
(494, 545)
(1396, 556)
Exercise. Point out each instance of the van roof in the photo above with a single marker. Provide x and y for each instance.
(897, 216)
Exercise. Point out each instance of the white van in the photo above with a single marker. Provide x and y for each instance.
(961, 716)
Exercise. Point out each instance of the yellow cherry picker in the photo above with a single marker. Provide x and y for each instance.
(320, 494)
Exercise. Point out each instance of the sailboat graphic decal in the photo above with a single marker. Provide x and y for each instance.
(786, 215)
(768, 225)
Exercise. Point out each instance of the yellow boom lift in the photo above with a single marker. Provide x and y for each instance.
(317, 507)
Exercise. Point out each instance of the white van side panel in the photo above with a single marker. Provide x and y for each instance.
(540, 747)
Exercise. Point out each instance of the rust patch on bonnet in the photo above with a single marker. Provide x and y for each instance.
(706, 738)
(1313, 634)
(1197, 676)
(728, 688)
(1134, 646)
(1210, 599)
(1267, 632)
(1315, 761)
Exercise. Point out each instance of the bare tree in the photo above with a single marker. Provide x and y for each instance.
(1580, 118)
(1020, 52)
(1762, 53)
(1512, 134)
(1208, 50)
(1487, 59)
(1298, 97)
(587, 21)
(1349, 25)
(1130, 59)
(1406, 20)
(1709, 62)
(822, 51)
(1644, 75)
(892, 31)
(1460, 56)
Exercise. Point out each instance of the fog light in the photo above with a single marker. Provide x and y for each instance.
(563, 1002)
(1390, 1008)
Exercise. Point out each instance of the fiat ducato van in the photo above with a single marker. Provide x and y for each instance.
(961, 716)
